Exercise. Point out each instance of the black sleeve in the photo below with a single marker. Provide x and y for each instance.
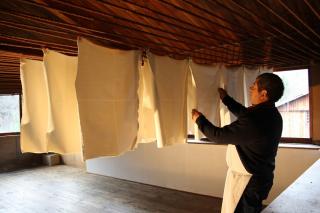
(234, 107)
(242, 131)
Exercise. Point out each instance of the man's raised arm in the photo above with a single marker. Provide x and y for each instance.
(234, 107)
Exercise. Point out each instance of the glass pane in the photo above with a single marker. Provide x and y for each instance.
(294, 105)
(9, 113)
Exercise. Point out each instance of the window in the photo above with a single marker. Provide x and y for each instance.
(294, 105)
(9, 113)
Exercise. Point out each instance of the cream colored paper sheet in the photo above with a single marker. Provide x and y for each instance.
(171, 81)
(233, 83)
(34, 120)
(192, 103)
(207, 80)
(148, 113)
(107, 92)
(64, 133)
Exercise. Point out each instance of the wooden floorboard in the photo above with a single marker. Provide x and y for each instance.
(69, 189)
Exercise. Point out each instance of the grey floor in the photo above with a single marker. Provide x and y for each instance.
(69, 189)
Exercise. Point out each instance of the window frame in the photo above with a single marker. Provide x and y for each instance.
(20, 111)
(301, 140)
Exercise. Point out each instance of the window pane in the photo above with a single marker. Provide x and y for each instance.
(9, 113)
(294, 105)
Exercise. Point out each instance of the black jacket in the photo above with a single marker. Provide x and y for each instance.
(256, 134)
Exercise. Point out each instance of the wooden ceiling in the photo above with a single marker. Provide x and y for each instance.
(277, 33)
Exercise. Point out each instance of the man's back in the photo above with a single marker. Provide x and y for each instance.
(258, 155)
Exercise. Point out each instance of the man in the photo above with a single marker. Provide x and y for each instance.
(255, 133)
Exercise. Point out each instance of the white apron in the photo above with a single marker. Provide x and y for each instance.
(236, 180)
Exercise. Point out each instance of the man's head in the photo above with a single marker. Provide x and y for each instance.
(267, 87)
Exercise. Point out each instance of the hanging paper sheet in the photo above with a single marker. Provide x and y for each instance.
(107, 92)
(63, 134)
(34, 120)
(207, 80)
(171, 85)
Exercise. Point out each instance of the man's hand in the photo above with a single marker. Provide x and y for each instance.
(195, 114)
(222, 93)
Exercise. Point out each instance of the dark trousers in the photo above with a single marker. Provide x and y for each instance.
(255, 192)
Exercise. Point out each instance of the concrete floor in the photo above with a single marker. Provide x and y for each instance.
(69, 189)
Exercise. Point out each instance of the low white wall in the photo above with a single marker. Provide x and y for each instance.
(194, 167)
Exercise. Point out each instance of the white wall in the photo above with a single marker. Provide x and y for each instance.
(194, 167)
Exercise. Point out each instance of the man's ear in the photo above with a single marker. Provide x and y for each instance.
(264, 95)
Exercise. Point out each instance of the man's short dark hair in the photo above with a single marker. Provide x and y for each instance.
(273, 84)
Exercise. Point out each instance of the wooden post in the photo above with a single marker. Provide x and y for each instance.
(314, 81)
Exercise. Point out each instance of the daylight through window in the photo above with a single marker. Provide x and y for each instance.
(294, 105)
(9, 113)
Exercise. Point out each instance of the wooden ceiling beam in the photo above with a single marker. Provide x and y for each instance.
(271, 35)
(9, 83)
(143, 40)
(298, 18)
(292, 67)
(108, 33)
(9, 79)
(6, 58)
(68, 4)
(25, 46)
(268, 62)
(178, 38)
(16, 60)
(261, 52)
(181, 27)
(226, 40)
(204, 18)
(281, 52)
(200, 41)
(103, 14)
(21, 52)
(175, 19)
(61, 16)
(234, 42)
(64, 26)
(145, 32)
(11, 75)
(16, 53)
(41, 44)
(203, 48)
(297, 45)
(234, 25)
(10, 64)
(317, 14)
(287, 22)
(37, 3)
(169, 45)
(9, 71)
(33, 29)
(33, 47)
